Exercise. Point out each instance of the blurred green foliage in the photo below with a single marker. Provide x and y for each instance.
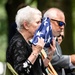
(3, 45)
(3, 30)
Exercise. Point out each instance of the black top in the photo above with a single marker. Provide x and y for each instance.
(18, 52)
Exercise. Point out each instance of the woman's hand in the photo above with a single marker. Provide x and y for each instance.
(40, 44)
(36, 50)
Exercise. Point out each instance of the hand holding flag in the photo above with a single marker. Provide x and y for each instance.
(44, 31)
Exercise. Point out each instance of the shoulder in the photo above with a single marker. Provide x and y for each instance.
(17, 40)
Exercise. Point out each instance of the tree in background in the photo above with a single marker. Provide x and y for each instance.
(67, 44)
(11, 8)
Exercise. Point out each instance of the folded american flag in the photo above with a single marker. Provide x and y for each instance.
(44, 31)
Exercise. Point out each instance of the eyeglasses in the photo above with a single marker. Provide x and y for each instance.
(60, 23)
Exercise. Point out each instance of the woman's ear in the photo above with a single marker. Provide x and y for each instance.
(25, 24)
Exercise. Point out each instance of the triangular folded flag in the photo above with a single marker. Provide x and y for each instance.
(44, 31)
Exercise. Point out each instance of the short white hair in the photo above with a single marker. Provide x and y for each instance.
(52, 13)
(25, 14)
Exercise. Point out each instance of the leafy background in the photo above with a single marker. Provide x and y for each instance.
(3, 30)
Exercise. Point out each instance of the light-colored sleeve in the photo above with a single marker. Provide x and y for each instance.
(61, 61)
(71, 65)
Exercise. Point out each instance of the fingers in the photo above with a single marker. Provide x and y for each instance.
(41, 42)
(53, 42)
(52, 49)
(53, 45)
(39, 46)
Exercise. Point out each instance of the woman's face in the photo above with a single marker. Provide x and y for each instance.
(34, 24)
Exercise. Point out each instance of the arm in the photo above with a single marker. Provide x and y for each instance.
(61, 60)
(47, 58)
(50, 51)
(24, 56)
(72, 59)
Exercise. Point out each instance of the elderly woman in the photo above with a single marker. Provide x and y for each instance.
(24, 57)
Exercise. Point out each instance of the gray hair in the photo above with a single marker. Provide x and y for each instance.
(53, 13)
(25, 14)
